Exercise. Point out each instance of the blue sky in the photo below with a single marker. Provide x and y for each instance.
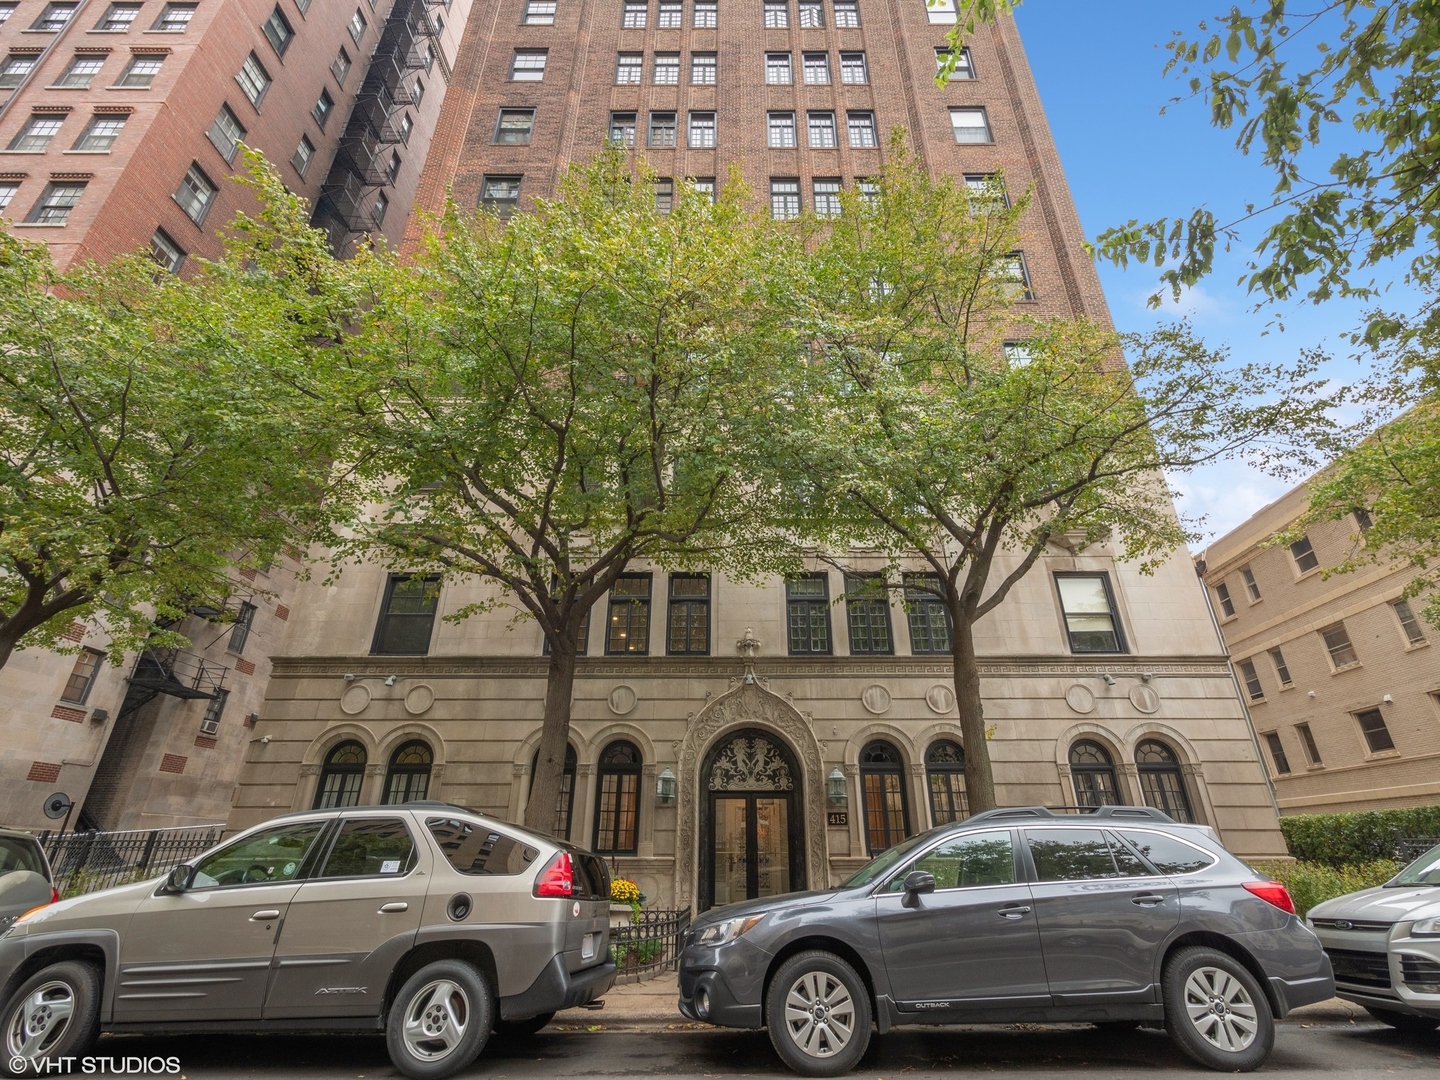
(1099, 67)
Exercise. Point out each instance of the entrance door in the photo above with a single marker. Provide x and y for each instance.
(751, 835)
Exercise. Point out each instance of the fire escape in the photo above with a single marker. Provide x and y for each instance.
(361, 169)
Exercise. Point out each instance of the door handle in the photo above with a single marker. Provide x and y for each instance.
(266, 915)
(1015, 911)
(1147, 900)
(393, 909)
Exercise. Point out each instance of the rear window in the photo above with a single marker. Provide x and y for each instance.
(371, 847)
(478, 849)
(1166, 853)
(592, 878)
(17, 854)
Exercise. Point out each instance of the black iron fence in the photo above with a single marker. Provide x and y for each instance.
(651, 941)
(88, 861)
(1409, 848)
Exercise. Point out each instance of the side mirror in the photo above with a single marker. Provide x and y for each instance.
(179, 879)
(919, 881)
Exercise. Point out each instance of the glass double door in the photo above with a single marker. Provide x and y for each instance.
(752, 846)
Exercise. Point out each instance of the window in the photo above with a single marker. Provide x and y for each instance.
(565, 798)
(827, 196)
(882, 793)
(81, 70)
(165, 251)
(82, 676)
(255, 80)
(195, 194)
(662, 129)
(945, 775)
(370, 847)
(35, 136)
(671, 15)
(14, 70)
(782, 129)
(777, 15)
(117, 18)
(1363, 521)
(1308, 744)
(853, 68)
(141, 70)
(1304, 555)
(816, 68)
(417, 95)
(1080, 855)
(1166, 854)
(1018, 354)
(1227, 605)
(407, 616)
(392, 172)
(970, 126)
(174, 19)
(862, 128)
(629, 69)
(427, 56)
(689, 615)
(324, 106)
(812, 15)
(867, 605)
(622, 129)
(1281, 671)
(7, 192)
(1251, 588)
(702, 69)
(500, 194)
(1278, 759)
(1092, 770)
(703, 184)
(822, 131)
(964, 69)
(629, 619)
(617, 816)
(925, 611)
(240, 633)
(304, 154)
(214, 709)
(1337, 643)
(1377, 735)
(706, 15)
(664, 195)
(987, 190)
(1252, 680)
(475, 849)
(357, 26)
(1162, 783)
(940, 11)
(278, 29)
(341, 66)
(702, 130)
(847, 13)
(380, 207)
(1414, 632)
(341, 777)
(55, 204)
(6, 10)
(54, 17)
(1089, 612)
(635, 16)
(777, 69)
(514, 126)
(539, 13)
(226, 133)
(273, 856)
(408, 778)
(667, 69)
(528, 65)
(807, 598)
(1017, 277)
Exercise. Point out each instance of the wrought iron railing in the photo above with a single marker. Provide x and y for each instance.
(85, 862)
(651, 942)
(179, 673)
(1410, 848)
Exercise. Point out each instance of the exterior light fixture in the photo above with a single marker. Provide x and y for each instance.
(665, 787)
(1109, 679)
(835, 787)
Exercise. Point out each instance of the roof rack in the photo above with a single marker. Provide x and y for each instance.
(1049, 813)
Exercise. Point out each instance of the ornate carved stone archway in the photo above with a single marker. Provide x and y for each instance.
(748, 705)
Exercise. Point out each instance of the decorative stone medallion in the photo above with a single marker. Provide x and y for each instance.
(419, 699)
(1144, 698)
(1080, 698)
(876, 699)
(940, 698)
(623, 699)
(355, 699)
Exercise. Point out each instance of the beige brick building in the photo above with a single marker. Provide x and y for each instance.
(1342, 682)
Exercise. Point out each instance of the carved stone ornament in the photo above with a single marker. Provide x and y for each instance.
(1080, 698)
(941, 699)
(419, 699)
(876, 699)
(355, 699)
(623, 699)
(750, 765)
(1144, 698)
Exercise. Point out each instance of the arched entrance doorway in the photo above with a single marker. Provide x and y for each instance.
(751, 824)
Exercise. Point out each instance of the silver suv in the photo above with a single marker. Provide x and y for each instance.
(428, 921)
(25, 878)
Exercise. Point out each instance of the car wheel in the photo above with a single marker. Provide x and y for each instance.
(55, 1014)
(516, 1029)
(1215, 1010)
(1406, 1022)
(440, 1020)
(818, 1012)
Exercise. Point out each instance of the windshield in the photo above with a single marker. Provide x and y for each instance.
(886, 861)
(1423, 871)
(17, 854)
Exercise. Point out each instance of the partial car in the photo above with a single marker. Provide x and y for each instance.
(1117, 917)
(429, 922)
(1384, 944)
(26, 881)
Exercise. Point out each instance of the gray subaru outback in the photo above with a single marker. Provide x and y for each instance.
(1118, 917)
(427, 921)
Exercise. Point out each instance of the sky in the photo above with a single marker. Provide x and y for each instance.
(1099, 69)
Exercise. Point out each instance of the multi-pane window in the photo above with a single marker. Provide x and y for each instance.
(1092, 770)
(392, 171)
(784, 199)
(869, 189)
(141, 70)
(777, 14)
(405, 127)
(862, 128)
(1278, 759)
(7, 193)
(54, 17)
(6, 10)
(565, 800)
(822, 131)
(195, 194)
(226, 132)
(629, 68)
(1227, 604)
(853, 68)
(782, 129)
(174, 19)
(100, 134)
(703, 184)
(1414, 632)
(1017, 277)
(622, 128)
(417, 95)
(1252, 589)
(940, 11)
(117, 18)
(671, 15)
(1309, 745)
(847, 13)
(407, 779)
(539, 13)
(500, 194)
(706, 15)
(664, 195)
(812, 14)
(882, 793)
(1304, 555)
(528, 65)
(341, 777)
(617, 813)
(513, 126)
(1162, 782)
(81, 70)
(816, 68)
(56, 203)
(304, 154)
(964, 68)
(340, 67)
(324, 106)
(702, 69)
(278, 29)
(82, 676)
(827, 196)
(254, 80)
(1282, 671)
(407, 616)
(35, 136)
(662, 129)
(1252, 680)
(14, 68)
(635, 16)
(165, 251)
(214, 709)
(688, 633)
(240, 631)
(628, 625)
(1018, 354)
(777, 69)
(1337, 644)
(357, 25)
(1363, 521)
(867, 605)
(667, 69)
(970, 126)
(807, 598)
(1377, 735)
(925, 612)
(945, 776)
(702, 130)
(1089, 612)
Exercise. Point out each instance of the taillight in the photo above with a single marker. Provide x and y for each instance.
(557, 880)
(1272, 892)
(54, 895)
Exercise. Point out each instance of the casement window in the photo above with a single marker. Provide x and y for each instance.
(1414, 632)
(627, 630)
(141, 70)
(1337, 644)
(826, 190)
(784, 199)
(635, 16)
(55, 204)
(862, 129)
(528, 65)
(853, 68)
(165, 251)
(664, 194)
(1227, 605)
(1092, 771)
(807, 598)
(821, 126)
(357, 26)
(80, 71)
(816, 68)
(195, 194)
(688, 617)
(869, 190)
(1377, 735)
(1088, 608)
(617, 796)
(407, 615)
(782, 129)
(54, 17)
(702, 69)
(1252, 589)
(1162, 781)
(847, 14)
(324, 106)
(1017, 277)
(1278, 760)
(406, 780)
(812, 15)
(341, 777)
(662, 129)
(867, 605)
(882, 796)
(500, 194)
(970, 126)
(702, 130)
(940, 11)
(117, 18)
(777, 69)
(1018, 354)
(671, 15)
(926, 615)
(100, 134)
(629, 68)
(340, 67)
(304, 154)
(777, 15)
(1252, 680)
(278, 30)
(14, 69)
(226, 133)
(706, 15)
(1304, 555)
(1308, 744)
(254, 80)
(83, 676)
(667, 69)
(964, 67)
(622, 129)
(37, 132)
(1282, 670)
(514, 126)
(945, 777)
(174, 19)
(538, 13)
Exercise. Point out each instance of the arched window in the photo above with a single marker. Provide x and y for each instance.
(341, 776)
(882, 787)
(409, 775)
(1093, 770)
(617, 811)
(1161, 781)
(565, 801)
(945, 773)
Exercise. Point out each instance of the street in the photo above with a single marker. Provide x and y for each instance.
(1331, 1048)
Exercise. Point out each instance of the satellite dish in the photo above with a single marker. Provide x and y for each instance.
(58, 805)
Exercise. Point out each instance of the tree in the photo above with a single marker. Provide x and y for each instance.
(151, 427)
(544, 400)
(925, 438)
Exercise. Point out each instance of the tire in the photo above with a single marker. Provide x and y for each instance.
(54, 1014)
(520, 1029)
(811, 981)
(1215, 1010)
(1406, 1022)
(440, 1020)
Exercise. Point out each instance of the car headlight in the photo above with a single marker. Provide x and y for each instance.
(1426, 928)
(722, 932)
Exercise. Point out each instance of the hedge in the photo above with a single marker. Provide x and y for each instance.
(1344, 839)
(1312, 883)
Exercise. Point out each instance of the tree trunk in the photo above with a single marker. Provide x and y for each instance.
(7, 646)
(554, 738)
(979, 779)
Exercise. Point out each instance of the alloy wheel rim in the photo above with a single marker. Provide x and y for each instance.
(819, 1014)
(436, 1020)
(1221, 1009)
(41, 1020)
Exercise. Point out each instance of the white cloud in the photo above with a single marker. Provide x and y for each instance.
(1218, 497)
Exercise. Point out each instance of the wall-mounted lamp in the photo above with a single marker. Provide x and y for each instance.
(265, 740)
(665, 787)
(252, 719)
(1146, 676)
(1310, 693)
(391, 680)
(1387, 700)
(836, 788)
(1109, 679)
(349, 676)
